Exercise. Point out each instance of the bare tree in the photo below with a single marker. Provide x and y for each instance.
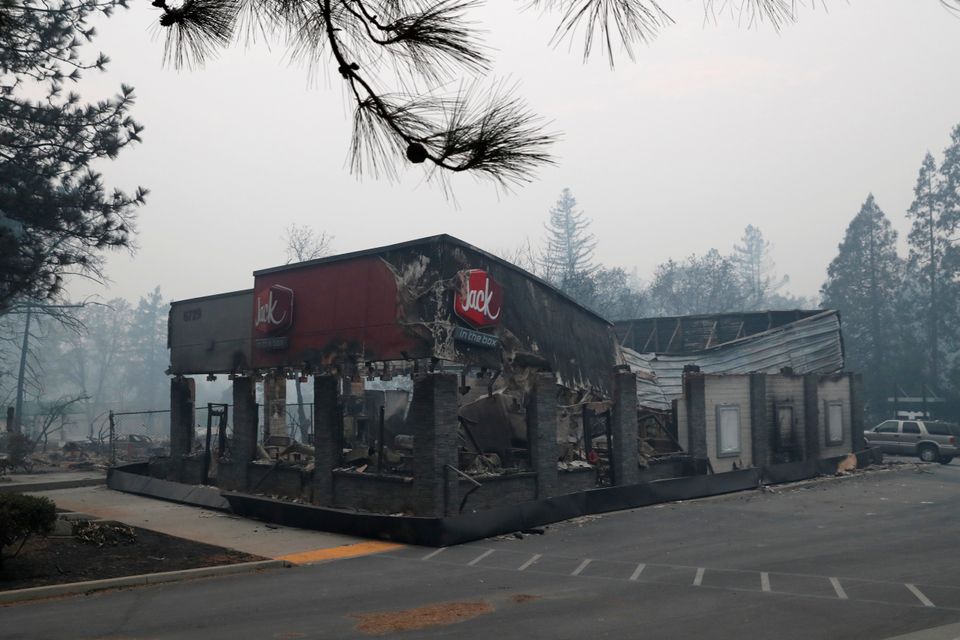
(522, 255)
(304, 243)
(53, 412)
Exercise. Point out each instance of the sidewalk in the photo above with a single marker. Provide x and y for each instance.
(299, 546)
(31, 482)
(285, 546)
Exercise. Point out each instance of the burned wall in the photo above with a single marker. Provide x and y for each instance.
(787, 416)
(210, 334)
(728, 399)
(539, 328)
(373, 493)
(833, 393)
(336, 311)
(397, 303)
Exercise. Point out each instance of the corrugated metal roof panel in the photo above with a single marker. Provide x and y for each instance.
(811, 345)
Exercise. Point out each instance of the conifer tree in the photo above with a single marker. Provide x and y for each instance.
(700, 284)
(56, 214)
(417, 47)
(145, 352)
(756, 269)
(929, 244)
(567, 260)
(948, 296)
(863, 281)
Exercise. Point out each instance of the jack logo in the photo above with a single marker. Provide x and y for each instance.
(273, 310)
(479, 298)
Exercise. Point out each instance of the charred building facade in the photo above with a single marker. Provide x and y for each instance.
(446, 381)
(443, 378)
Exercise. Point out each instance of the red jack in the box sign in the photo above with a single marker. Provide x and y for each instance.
(273, 312)
(479, 298)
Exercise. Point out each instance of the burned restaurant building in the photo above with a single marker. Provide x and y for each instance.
(443, 378)
(451, 387)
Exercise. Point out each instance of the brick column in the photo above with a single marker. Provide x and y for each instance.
(857, 442)
(694, 391)
(246, 421)
(542, 434)
(326, 437)
(625, 428)
(181, 422)
(811, 417)
(760, 427)
(433, 417)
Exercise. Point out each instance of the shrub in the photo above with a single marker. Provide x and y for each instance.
(18, 448)
(22, 516)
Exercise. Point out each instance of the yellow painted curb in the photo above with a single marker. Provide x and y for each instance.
(339, 553)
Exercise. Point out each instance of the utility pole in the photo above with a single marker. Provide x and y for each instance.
(24, 352)
(18, 410)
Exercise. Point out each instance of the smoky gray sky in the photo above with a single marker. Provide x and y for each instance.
(714, 126)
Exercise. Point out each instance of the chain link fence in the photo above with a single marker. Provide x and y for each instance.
(137, 436)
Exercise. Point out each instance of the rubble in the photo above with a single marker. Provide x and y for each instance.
(101, 534)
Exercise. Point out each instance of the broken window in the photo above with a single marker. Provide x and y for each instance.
(834, 423)
(785, 425)
(728, 430)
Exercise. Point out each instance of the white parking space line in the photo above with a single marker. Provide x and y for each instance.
(480, 557)
(920, 596)
(636, 573)
(836, 587)
(698, 579)
(529, 562)
(433, 553)
(765, 581)
(583, 565)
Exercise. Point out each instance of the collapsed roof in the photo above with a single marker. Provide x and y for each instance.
(811, 343)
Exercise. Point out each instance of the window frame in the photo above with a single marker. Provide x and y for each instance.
(720, 408)
(896, 424)
(828, 431)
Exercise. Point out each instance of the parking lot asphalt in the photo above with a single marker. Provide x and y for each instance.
(871, 556)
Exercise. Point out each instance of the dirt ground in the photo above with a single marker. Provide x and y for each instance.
(61, 559)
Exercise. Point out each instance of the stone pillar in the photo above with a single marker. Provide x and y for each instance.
(694, 392)
(624, 427)
(542, 434)
(760, 427)
(275, 412)
(246, 423)
(327, 437)
(182, 420)
(811, 417)
(433, 417)
(857, 442)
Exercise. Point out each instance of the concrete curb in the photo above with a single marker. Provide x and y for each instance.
(34, 487)
(74, 588)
